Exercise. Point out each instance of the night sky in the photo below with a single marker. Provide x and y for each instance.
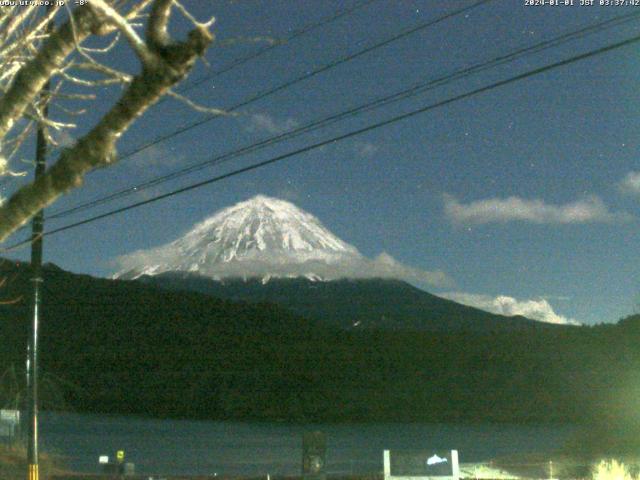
(526, 196)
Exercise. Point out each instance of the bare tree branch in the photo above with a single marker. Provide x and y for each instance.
(32, 77)
(97, 148)
(197, 107)
(138, 44)
(157, 34)
(30, 74)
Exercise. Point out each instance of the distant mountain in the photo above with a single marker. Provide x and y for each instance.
(265, 238)
(361, 303)
(268, 250)
(262, 237)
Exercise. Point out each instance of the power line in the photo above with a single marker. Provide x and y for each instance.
(242, 60)
(306, 76)
(298, 33)
(416, 89)
(292, 82)
(345, 136)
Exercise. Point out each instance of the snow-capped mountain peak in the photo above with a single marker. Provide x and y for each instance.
(263, 236)
(263, 224)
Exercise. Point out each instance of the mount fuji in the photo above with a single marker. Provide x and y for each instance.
(266, 238)
(268, 250)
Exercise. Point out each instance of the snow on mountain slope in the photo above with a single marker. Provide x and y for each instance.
(265, 237)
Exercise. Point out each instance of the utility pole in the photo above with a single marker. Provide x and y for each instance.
(37, 229)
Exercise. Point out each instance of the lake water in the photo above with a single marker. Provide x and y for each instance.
(182, 447)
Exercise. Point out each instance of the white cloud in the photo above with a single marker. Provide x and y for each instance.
(537, 309)
(261, 266)
(385, 266)
(589, 210)
(630, 184)
(267, 123)
(365, 149)
(156, 156)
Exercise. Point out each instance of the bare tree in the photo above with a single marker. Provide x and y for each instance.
(32, 55)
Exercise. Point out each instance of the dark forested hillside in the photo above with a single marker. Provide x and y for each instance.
(366, 303)
(122, 346)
